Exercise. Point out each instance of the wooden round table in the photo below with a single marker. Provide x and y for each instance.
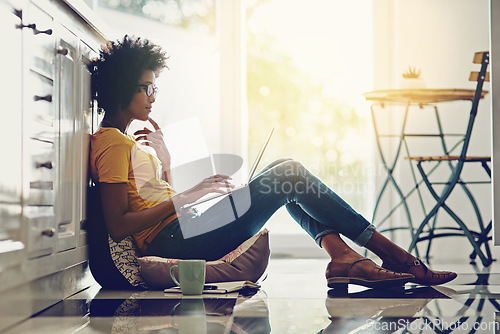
(422, 96)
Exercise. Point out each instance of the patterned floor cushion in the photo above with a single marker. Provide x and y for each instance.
(247, 262)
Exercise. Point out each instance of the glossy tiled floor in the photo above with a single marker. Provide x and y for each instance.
(293, 299)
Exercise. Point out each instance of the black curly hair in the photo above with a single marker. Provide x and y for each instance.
(116, 73)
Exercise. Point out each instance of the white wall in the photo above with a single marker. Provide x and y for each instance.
(205, 82)
(439, 37)
(189, 87)
(495, 59)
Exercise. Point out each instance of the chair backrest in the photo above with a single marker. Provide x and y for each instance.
(100, 262)
(482, 58)
(478, 59)
(480, 77)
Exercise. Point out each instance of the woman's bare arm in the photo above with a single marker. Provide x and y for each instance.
(119, 221)
(155, 140)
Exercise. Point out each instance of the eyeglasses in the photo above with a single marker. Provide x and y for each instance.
(150, 89)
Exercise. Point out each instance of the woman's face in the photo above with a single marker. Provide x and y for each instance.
(140, 106)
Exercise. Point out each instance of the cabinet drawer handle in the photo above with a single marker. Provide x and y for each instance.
(42, 185)
(18, 13)
(47, 165)
(22, 26)
(83, 225)
(63, 51)
(36, 31)
(49, 232)
(47, 98)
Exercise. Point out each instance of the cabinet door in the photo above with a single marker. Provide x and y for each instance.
(39, 131)
(67, 206)
(83, 132)
(39, 35)
(42, 233)
(10, 127)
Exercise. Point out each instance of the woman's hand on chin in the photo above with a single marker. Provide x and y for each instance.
(156, 141)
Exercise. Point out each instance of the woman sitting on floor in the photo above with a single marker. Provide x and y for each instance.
(123, 81)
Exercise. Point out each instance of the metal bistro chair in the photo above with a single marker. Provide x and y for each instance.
(456, 164)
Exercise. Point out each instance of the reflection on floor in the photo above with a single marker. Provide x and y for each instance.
(293, 299)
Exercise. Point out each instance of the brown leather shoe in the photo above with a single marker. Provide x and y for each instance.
(430, 277)
(338, 275)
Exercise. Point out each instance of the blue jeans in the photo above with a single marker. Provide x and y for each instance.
(317, 209)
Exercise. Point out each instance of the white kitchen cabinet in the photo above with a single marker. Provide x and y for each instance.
(40, 122)
(57, 125)
(47, 118)
(10, 127)
(84, 128)
(67, 149)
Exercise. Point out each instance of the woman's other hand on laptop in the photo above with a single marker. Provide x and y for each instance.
(215, 184)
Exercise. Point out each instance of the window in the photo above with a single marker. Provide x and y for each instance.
(186, 30)
(308, 64)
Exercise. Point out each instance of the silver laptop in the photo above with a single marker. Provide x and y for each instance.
(250, 175)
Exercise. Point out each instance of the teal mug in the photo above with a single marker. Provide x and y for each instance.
(191, 275)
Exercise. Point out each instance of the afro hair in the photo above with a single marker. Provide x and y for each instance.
(116, 73)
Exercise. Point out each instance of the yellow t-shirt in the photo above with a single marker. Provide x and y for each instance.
(118, 158)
